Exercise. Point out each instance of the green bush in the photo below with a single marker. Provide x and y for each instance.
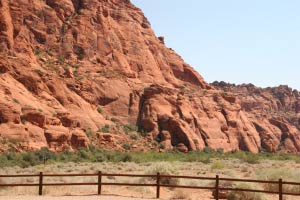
(16, 101)
(115, 120)
(99, 109)
(162, 146)
(105, 129)
(94, 154)
(129, 128)
(133, 137)
(143, 133)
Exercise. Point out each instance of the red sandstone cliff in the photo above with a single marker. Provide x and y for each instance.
(80, 72)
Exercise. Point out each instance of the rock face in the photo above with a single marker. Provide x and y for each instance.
(274, 113)
(81, 72)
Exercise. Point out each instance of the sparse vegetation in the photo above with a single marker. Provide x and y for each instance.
(275, 175)
(126, 146)
(216, 165)
(115, 120)
(240, 195)
(10, 158)
(99, 109)
(133, 137)
(38, 71)
(165, 169)
(162, 146)
(37, 50)
(89, 132)
(142, 132)
(76, 74)
(105, 129)
(61, 60)
(127, 128)
(75, 66)
(16, 101)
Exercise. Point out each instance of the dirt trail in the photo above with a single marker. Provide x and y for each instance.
(103, 197)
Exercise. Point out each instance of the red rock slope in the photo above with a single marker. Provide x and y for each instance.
(80, 72)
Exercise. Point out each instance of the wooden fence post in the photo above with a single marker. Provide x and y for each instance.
(41, 183)
(99, 182)
(158, 185)
(217, 187)
(280, 189)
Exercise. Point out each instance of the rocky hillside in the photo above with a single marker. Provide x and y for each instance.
(274, 112)
(80, 72)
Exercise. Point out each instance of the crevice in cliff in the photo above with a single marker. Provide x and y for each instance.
(223, 111)
(204, 137)
(78, 5)
(140, 113)
(261, 131)
(6, 27)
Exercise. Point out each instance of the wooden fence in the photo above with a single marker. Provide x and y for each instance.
(216, 189)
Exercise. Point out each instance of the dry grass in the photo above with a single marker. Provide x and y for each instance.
(277, 173)
(232, 168)
(240, 195)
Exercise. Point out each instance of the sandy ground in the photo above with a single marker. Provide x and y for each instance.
(225, 168)
(103, 197)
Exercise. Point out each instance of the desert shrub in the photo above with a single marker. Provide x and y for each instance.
(126, 146)
(99, 109)
(165, 169)
(38, 71)
(217, 165)
(126, 158)
(115, 120)
(45, 154)
(127, 128)
(84, 154)
(251, 159)
(37, 50)
(197, 157)
(27, 159)
(133, 137)
(77, 75)
(16, 101)
(105, 129)
(240, 195)
(89, 132)
(208, 150)
(276, 174)
(162, 146)
(143, 133)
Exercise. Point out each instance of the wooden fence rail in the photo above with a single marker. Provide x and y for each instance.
(158, 177)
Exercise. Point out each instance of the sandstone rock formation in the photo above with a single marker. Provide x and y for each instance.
(81, 72)
(274, 113)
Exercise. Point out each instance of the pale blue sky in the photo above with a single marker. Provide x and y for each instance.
(238, 41)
